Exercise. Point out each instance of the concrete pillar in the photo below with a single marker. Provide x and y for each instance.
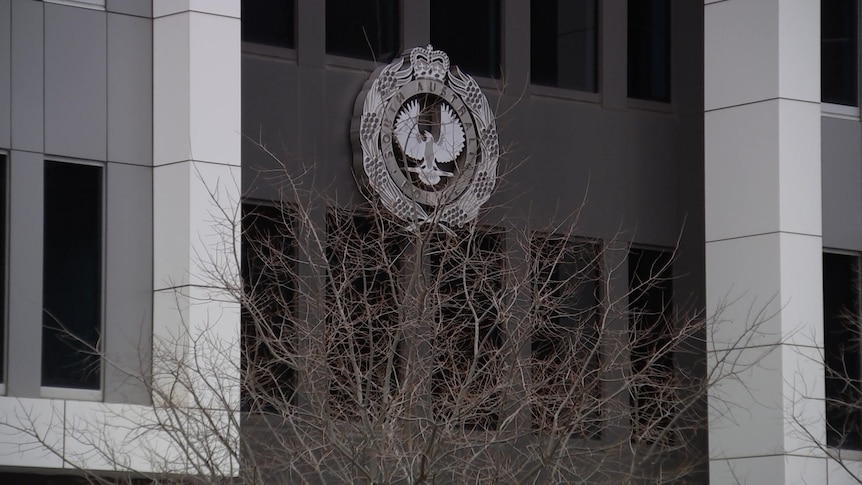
(196, 184)
(763, 240)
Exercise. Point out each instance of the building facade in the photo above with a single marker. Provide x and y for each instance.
(724, 135)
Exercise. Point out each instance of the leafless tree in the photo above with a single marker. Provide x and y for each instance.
(377, 352)
(374, 351)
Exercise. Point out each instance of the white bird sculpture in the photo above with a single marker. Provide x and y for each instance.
(423, 147)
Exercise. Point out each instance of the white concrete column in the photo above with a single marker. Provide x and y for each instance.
(763, 240)
(196, 184)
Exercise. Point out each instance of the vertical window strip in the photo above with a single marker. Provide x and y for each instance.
(651, 330)
(839, 52)
(843, 356)
(268, 308)
(565, 344)
(72, 293)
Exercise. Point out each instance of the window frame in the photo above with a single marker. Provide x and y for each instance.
(493, 79)
(263, 49)
(347, 222)
(366, 63)
(272, 51)
(469, 245)
(657, 274)
(55, 392)
(843, 111)
(253, 208)
(88, 4)
(846, 453)
(6, 169)
(565, 92)
(575, 246)
(651, 103)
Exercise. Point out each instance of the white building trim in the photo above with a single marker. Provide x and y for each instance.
(764, 241)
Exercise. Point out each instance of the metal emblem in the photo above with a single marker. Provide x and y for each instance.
(425, 141)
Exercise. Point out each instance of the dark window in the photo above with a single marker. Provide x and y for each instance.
(651, 332)
(72, 276)
(565, 343)
(564, 43)
(268, 22)
(842, 352)
(43, 479)
(362, 314)
(649, 49)
(467, 273)
(33, 479)
(470, 33)
(839, 51)
(269, 287)
(3, 234)
(366, 29)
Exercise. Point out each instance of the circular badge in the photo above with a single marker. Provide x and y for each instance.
(425, 140)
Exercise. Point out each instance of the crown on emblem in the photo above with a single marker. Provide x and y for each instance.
(429, 63)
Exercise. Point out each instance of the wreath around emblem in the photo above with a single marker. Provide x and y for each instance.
(456, 204)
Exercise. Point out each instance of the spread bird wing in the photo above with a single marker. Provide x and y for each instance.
(407, 131)
(451, 140)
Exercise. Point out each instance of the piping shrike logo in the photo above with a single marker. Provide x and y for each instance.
(425, 140)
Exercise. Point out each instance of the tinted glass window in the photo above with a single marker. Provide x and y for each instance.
(42, 479)
(564, 43)
(72, 276)
(650, 313)
(649, 49)
(268, 22)
(568, 298)
(365, 29)
(467, 272)
(362, 312)
(470, 33)
(842, 351)
(3, 234)
(839, 51)
(269, 285)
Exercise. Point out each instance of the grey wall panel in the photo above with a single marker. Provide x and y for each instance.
(341, 88)
(613, 60)
(515, 51)
(622, 163)
(270, 89)
(5, 74)
(512, 192)
(687, 57)
(130, 89)
(129, 277)
(574, 156)
(27, 76)
(650, 149)
(75, 82)
(312, 125)
(842, 183)
(310, 32)
(689, 284)
(25, 274)
(141, 8)
(554, 177)
(416, 22)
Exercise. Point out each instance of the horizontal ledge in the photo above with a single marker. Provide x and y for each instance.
(758, 234)
(191, 160)
(759, 101)
(48, 392)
